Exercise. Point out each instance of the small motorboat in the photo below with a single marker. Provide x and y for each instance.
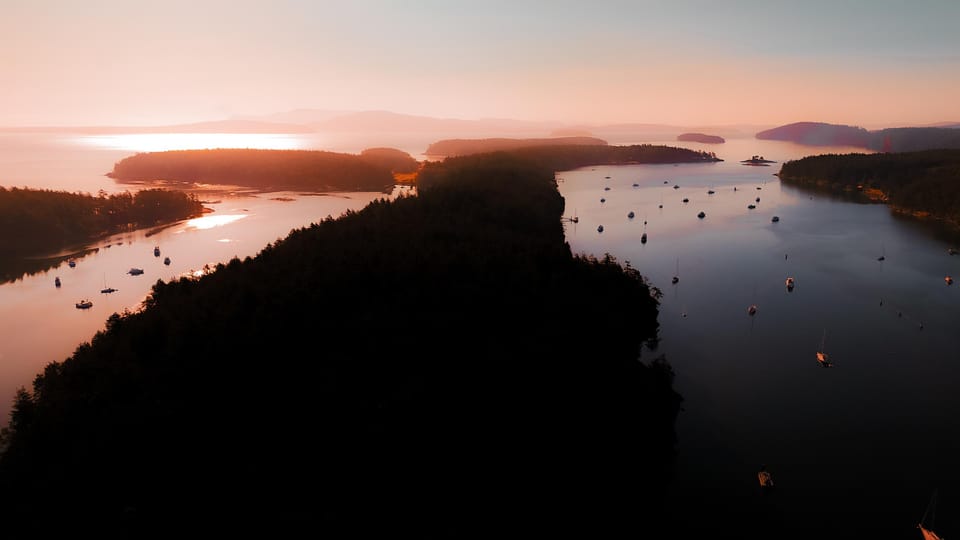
(789, 283)
(948, 280)
(701, 215)
(636, 185)
(643, 238)
(686, 200)
(84, 304)
(166, 260)
(600, 228)
(156, 251)
(675, 186)
(757, 199)
(72, 263)
(752, 309)
(135, 271)
(710, 192)
(751, 206)
(56, 281)
(630, 215)
(775, 219)
(602, 200)
(606, 188)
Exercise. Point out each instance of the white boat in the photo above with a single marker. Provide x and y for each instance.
(926, 523)
(822, 357)
(84, 304)
(135, 271)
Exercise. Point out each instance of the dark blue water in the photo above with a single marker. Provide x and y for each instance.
(860, 446)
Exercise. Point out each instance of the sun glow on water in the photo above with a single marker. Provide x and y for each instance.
(160, 142)
(209, 222)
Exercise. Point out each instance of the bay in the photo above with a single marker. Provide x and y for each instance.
(860, 446)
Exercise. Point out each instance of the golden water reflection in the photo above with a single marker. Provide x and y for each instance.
(209, 222)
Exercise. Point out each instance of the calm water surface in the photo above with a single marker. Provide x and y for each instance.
(861, 445)
(39, 323)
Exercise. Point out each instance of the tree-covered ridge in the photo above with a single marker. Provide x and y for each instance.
(396, 161)
(262, 169)
(926, 182)
(36, 221)
(465, 147)
(440, 364)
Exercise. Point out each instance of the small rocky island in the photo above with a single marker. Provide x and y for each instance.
(701, 138)
(757, 161)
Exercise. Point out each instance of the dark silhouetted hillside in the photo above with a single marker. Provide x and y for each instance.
(437, 366)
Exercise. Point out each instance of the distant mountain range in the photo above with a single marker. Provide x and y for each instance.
(901, 139)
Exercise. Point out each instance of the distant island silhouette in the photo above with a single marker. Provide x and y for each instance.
(264, 169)
(885, 140)
(701, 138)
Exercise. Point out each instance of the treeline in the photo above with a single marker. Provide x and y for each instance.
(465, 147)
(34, 222)
(572, 157)
(440, 365)
(914, 182)
(701, 138)
(262, 169)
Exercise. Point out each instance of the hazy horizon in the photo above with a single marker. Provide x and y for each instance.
(112, 62)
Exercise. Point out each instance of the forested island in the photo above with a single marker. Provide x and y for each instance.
(406, 368)
(464, 147)
(885, 140)
(924, 184)
(261, 169)
(38, 222)
(701, 138)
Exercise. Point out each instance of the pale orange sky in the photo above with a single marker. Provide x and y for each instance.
(129, 62)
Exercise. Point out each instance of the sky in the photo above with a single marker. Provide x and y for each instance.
(874, 63)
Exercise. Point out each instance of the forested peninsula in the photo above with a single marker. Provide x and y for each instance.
(311, 170)
(38, 222)
(438, 365)
(923, 184)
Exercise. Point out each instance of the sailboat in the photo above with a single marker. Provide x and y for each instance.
(676, 277)
(925, 526)
(105, 289)
(822, 357)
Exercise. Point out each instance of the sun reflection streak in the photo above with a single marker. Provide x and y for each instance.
(209, 222)
(160, 142)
